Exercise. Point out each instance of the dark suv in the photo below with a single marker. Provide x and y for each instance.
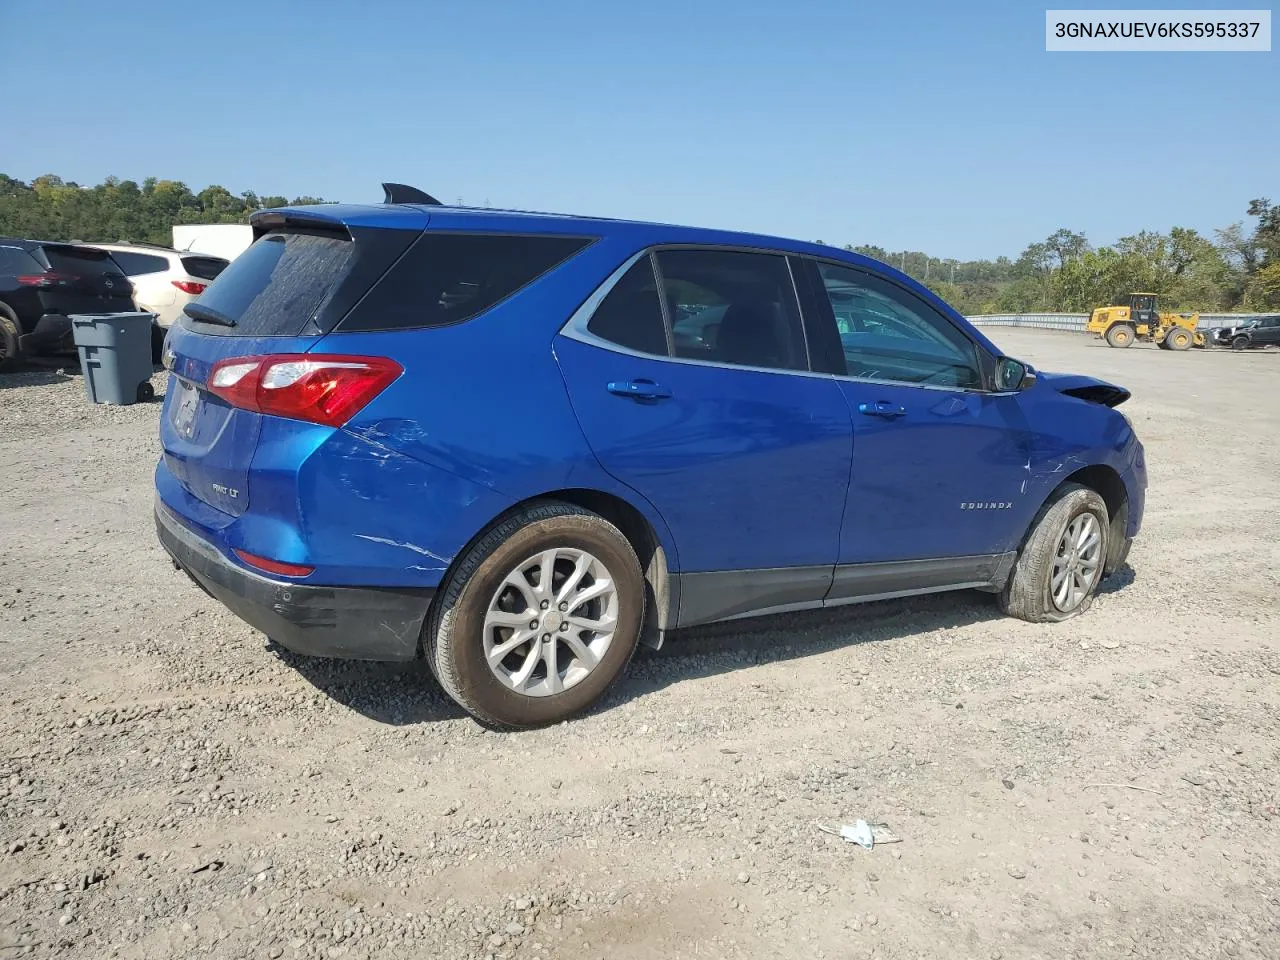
(1256, 332)
(42, 284)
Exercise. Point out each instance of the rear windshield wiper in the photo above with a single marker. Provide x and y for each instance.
(198, 311)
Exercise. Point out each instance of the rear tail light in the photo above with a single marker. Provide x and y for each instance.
(51, 279)
(189, 286)
(279, 567)
(328, 389)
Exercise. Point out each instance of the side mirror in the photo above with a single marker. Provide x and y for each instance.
(1012, 375)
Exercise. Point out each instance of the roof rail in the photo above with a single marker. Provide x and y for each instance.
(402, 193)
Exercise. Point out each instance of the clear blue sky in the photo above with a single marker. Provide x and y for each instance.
(940, 125)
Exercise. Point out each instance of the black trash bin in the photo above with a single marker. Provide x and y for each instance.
(115, 356)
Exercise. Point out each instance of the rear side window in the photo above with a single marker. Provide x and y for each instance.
(275, 287)
(631, 315)
(18, 263)
(447, 278)
(204, 268)
(136, 264)
(81, 261)
(733, 307)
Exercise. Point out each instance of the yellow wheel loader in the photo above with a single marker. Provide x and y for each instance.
(1121, 326)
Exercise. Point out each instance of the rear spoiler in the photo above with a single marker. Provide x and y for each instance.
(264, 221)
(339, 219)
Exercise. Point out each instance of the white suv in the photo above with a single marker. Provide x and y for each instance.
(164, 281)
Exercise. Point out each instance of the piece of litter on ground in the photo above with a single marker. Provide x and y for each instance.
(860, 833)
(882, 834)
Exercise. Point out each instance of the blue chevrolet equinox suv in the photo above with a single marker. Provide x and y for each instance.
(517, 444)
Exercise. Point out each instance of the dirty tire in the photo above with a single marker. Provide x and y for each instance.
(453, 641)
(9, 332)
(1179, 339)
(1240, 343)
(1121, 335)
(1027, 595)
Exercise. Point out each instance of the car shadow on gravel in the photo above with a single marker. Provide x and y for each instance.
(742, 644)
(40, 372)
(400, 694)
(397, 694)
(1120, 580)
(31, 378)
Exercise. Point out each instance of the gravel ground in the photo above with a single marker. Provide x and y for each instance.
(172, 785)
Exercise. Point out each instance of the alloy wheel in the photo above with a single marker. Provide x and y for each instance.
(1077, 562)
(550, 622)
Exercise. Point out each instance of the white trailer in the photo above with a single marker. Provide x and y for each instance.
(226, 240)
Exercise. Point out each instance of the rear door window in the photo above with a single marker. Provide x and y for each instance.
(136, 264)
(275, 287)
(631, 314)
(733, 307)
(204, 268)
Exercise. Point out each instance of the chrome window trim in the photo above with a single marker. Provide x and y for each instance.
(575, 328)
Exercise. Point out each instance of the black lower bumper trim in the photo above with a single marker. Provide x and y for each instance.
(354, 623)
(52, 333)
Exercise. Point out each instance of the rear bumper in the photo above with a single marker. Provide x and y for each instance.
(52, 333)
(354, 623)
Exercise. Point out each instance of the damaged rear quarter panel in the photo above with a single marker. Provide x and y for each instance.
(375, 517)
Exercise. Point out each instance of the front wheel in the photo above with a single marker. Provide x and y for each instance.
(1121, 335)
(1240, 343)
(1179, 339)
(1061, 563)
(539, 617)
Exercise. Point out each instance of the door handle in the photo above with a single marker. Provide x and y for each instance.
(639, 389)
(883, 408)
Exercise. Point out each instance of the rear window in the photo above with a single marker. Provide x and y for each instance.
(16, 263)
(204, 268)
(136, 264)
(82, 261)
(449, 277)
(275, 287)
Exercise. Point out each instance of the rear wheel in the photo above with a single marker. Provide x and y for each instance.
(1061, 564)
(9, 332)
(539, 617)
(1179, 338)
(1240, 343)
(1120, 335)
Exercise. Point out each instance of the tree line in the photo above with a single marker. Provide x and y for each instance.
(50, 208)
(1238, 269)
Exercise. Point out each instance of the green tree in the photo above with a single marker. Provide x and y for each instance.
(51, 208)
